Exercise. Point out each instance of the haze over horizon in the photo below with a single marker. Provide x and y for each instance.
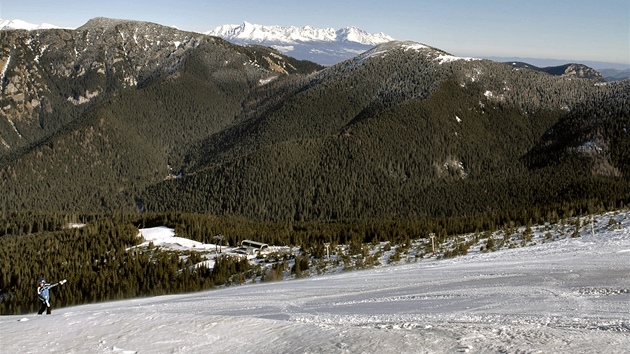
(575, 31)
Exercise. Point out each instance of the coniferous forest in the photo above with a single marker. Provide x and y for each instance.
(191, 132)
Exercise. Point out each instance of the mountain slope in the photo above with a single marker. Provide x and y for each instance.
(450, 305)
(75, 71)
(123, 101)
(597, 128)
(400, 131)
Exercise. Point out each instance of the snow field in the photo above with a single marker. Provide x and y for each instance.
(564, 295)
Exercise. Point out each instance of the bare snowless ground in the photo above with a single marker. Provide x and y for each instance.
(567, 296)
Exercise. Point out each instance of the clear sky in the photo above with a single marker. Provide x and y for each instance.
(575, 30)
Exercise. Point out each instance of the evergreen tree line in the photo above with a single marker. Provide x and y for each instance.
(99, 262)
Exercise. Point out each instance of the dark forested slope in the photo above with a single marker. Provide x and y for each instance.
(103, 118)
(396, 132)
(139, 95)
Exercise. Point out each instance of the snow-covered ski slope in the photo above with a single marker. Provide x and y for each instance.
(567, 296)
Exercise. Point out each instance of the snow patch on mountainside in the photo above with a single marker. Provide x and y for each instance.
(3, 72)
(414, 46)
(445, 58)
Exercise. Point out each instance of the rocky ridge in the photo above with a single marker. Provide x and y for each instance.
(572, 70)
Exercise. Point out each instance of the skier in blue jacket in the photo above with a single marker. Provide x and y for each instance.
(43, 295)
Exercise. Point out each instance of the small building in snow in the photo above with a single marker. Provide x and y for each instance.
(253, 248)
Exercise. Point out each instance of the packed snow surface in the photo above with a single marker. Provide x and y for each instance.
(165, 237)
(566, 296)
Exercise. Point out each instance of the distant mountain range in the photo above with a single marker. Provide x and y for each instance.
(568, 70)
(19, 24)
(609, 71)
(323, 46)
(290, 35)
(615, 74)
(329, 46)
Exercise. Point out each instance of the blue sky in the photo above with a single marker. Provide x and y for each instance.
(576, 30)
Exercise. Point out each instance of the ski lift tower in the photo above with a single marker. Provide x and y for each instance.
(220, 242)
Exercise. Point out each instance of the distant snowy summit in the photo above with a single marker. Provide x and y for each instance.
(258, 33)
(323, 46)
(22, 25)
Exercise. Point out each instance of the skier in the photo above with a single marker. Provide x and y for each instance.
(43, 295)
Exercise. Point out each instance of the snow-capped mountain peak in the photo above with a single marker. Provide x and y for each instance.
(325, 46)
(23, 25)
(353, 34)
(259, 33)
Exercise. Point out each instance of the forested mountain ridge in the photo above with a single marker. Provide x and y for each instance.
(573, 70)
(403, 130)
(52, 77)
(102, 110)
